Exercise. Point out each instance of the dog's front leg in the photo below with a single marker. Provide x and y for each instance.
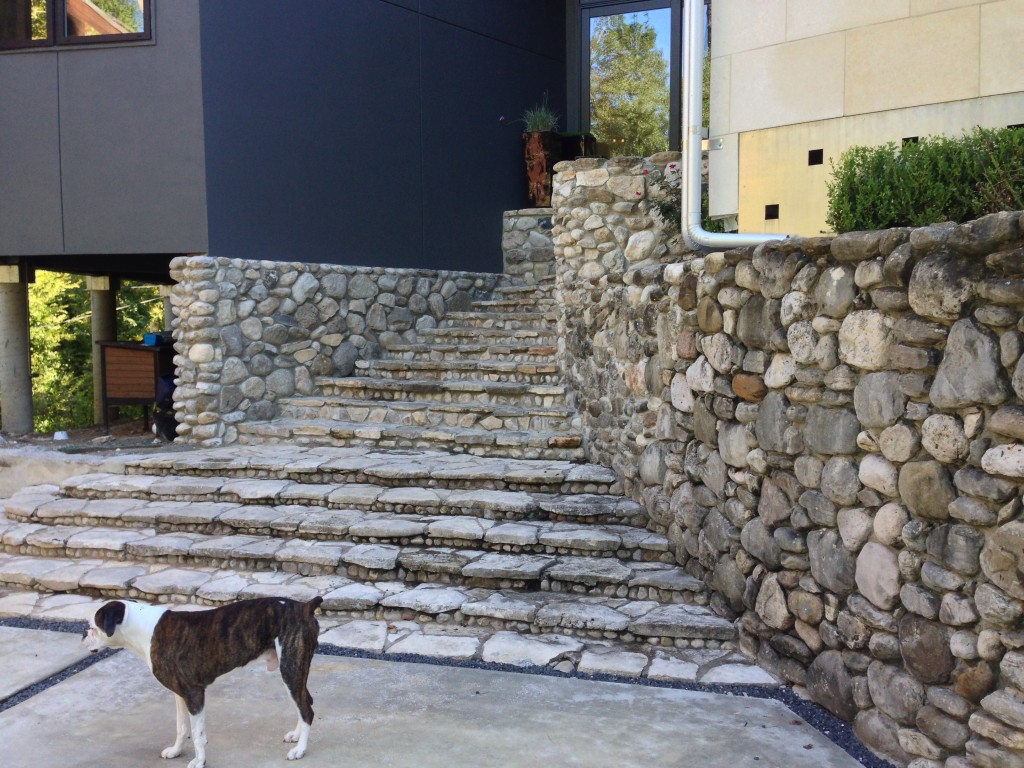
(199, 739)
(299, 735)
(182, 726)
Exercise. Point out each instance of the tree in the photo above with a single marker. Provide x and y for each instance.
(61, 344)
(629, 97)
(122, 10)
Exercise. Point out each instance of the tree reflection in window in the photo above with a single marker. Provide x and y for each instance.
(629, 84)
(104, 17)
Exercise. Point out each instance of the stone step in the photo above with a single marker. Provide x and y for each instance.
(505, 320)
(273, 508)
(641, 623)
(426, 469)
(428, 414)
(565, 446)
(520, 303)
(461, 334)
(544, 286)
(443, 391)
(370, 561)
(524, 352)
(471, 369)
(488, 639)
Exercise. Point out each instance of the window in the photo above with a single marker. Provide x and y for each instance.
(42, 23)
(629, 74)
(771, 212)
(815, 156)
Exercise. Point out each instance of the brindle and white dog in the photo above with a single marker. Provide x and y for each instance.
(188, 650)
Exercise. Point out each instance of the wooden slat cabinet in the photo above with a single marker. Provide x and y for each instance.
(130, 375)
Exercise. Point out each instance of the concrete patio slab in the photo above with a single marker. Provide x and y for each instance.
(28, 656)
(372, 712)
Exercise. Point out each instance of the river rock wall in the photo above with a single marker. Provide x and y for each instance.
(248, 333)
(831, 433)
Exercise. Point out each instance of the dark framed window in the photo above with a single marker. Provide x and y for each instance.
(45, 23)
(628, 74)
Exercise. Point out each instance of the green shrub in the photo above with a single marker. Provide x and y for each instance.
(934, 179)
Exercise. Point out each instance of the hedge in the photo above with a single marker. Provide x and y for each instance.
(928, 181)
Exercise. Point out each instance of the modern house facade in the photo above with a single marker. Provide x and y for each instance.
(359, 133)
(796, 82)
(386, 132)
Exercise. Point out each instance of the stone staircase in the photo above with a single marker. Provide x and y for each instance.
(486, 383)
(442, 486)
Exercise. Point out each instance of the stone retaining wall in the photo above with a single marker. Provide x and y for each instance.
(248, 333)
(831, 433)
(526, 246)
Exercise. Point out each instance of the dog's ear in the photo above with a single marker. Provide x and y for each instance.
(109, 616)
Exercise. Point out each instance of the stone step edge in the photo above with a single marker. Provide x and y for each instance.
(528, 304)
(498, 410)
(371, 562)
(367, 497)
(358, 466)
(643, 621)
(508, 333)
(219, 517)
(482, 386)
(467, 364)
(506, 349)
(568, 442)
(497, 648)
(523, 314)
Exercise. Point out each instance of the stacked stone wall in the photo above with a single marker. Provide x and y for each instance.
(248, 333)
(831, 433)
(527, 251)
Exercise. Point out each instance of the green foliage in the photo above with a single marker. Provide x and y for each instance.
(663, 193)
(920, 183)
(61, 366)
(124, 11)
(540, 117)
(628, 86)
(60, 338)
(39, 22)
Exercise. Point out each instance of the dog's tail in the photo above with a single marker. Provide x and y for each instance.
(312, 605)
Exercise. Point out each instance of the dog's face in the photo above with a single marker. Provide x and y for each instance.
(103, 627)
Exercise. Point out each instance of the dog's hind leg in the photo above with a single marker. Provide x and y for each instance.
(295, 660)
(199, 739)
(195, 701)
(182, 726)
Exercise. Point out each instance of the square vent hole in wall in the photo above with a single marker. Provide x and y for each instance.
(771, 211)
(911, 140)
(815, 156)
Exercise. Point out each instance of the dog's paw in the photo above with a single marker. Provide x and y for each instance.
(170, 753)
(197, 763)
(291, 737)
(296, 753)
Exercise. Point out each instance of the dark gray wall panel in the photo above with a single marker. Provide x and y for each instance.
(30, 208)
(132, 144)
(366, 132)
(312, 130)
(469, 81)
(532, 26)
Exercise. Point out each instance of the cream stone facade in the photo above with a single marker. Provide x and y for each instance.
(792, 76)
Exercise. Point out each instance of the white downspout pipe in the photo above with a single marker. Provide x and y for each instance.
(693, 119)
